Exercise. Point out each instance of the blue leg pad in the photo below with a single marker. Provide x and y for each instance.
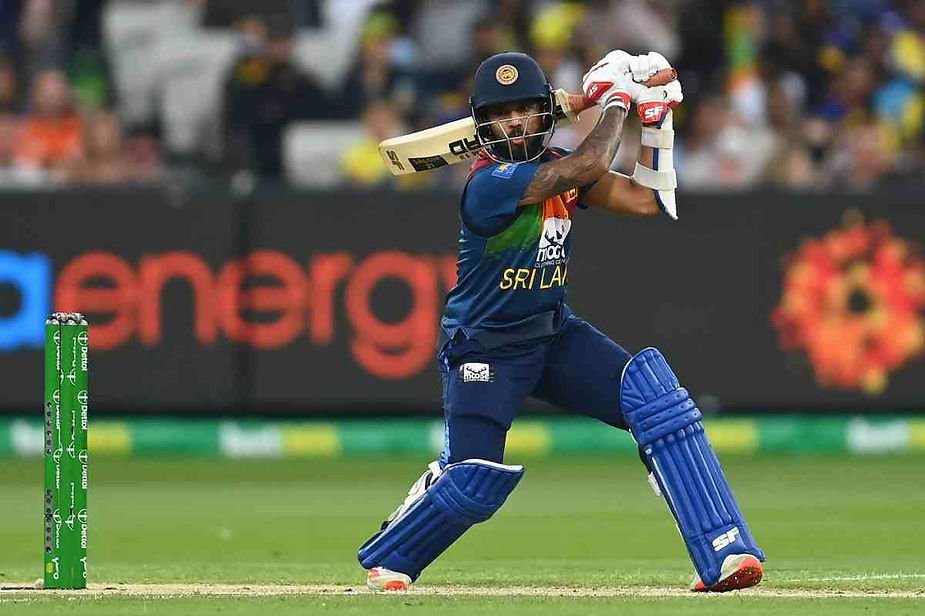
(668, 428)
(466, 493)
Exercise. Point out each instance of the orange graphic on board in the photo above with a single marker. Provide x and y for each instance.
(853, 301)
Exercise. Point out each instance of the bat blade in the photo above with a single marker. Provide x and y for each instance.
(455, 142)
(447, 144)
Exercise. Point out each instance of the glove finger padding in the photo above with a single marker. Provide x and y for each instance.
(644, 66)
(617, 60)
(610, 81)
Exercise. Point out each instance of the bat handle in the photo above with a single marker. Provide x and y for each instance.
(568, 106)
(578, 103)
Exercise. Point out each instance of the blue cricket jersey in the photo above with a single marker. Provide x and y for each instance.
(512, 269)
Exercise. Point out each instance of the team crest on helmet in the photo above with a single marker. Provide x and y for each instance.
(506, 74)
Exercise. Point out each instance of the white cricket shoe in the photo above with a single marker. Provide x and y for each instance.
(382, 579)
(738, 571)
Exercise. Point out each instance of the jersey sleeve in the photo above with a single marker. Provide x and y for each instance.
(493, 194)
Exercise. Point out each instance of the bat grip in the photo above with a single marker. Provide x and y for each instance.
(570, 105)
(579, 102)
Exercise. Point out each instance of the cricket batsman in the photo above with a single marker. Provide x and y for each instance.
(507, 333)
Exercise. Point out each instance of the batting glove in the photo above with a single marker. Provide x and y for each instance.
(654, 103)
(644, 66)
(607, 85)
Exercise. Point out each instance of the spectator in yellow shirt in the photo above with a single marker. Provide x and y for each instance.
(360, 164)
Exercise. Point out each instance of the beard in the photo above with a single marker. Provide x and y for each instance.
(521, 148)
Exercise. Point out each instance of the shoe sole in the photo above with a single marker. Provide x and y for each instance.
(390, 581)
(748, 574)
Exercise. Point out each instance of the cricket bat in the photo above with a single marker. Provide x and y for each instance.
(455, 142)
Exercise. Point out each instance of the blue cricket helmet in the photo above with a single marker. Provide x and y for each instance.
(506, 78)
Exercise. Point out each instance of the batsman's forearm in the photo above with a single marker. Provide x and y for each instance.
(599, 148)
(646, 156)
(585, 165)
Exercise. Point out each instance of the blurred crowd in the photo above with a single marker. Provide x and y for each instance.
(57, 120)
(800, 94)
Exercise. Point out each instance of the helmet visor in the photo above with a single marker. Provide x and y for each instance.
(519, 138)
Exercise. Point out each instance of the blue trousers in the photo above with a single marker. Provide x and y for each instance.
(577, 370)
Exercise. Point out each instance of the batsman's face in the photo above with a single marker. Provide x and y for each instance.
(514, 120)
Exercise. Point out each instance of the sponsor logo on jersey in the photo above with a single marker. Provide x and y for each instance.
(475, 372)
(550, 268)
(551, 250)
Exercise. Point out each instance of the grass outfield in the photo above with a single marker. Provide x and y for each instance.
(578, 536)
